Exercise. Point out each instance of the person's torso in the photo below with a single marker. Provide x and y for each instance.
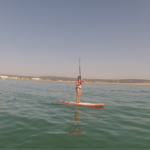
(79, 83)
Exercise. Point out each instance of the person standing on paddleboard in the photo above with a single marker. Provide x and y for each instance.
(79, 88)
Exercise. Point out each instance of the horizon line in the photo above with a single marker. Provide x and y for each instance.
(73, 77)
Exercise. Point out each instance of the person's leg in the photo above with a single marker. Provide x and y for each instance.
(77, 97)
(80, 91)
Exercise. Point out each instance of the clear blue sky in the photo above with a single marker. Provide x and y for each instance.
(47, 37)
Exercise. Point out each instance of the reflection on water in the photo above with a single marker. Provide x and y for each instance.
(98, 108)
(77, 115)
(74, 129)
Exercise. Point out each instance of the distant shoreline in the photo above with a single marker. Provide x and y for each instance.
(105, 83)
(73, 80)
(86, 82)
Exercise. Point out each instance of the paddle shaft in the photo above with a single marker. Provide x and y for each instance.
(79, 68)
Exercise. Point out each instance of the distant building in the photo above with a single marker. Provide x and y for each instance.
(13, 77)
(4, 77)
(35, 78)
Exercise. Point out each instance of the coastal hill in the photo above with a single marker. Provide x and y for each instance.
(56, 78)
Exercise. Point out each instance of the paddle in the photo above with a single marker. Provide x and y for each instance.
(79, 68)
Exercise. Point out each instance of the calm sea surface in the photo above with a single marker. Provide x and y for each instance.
(32, 118)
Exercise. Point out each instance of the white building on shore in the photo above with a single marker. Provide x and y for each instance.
(4, 77)
(35, 78)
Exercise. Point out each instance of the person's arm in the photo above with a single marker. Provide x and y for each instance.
(76, 83)
(83, 80)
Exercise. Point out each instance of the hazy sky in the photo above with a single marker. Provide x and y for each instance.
(47, 37)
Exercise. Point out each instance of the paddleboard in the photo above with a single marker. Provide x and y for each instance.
(82, 104)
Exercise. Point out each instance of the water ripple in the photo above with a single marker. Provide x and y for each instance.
(31, 116)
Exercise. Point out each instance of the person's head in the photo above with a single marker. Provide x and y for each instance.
(79, 77)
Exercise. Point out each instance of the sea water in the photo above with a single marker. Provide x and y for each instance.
(32, 118)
